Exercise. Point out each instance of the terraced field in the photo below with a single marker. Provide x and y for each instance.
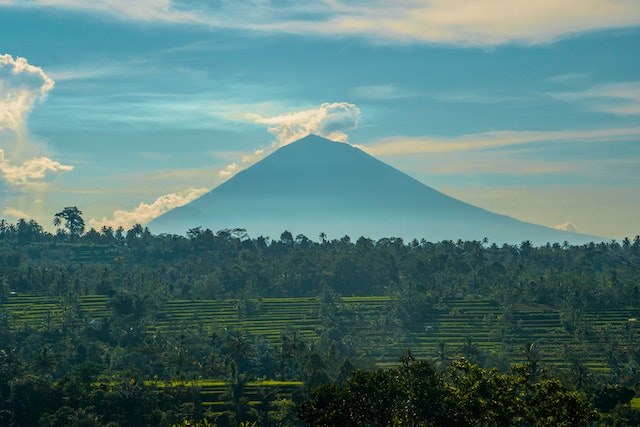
(488, 326)
(492, 329)
(212, 391)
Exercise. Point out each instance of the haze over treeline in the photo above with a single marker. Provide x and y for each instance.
(298, 265)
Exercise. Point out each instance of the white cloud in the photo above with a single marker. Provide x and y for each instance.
(481, 141)
(21, 85)
(331, 120)
(567, 226)
(621, 98)
(144, 212)
(465, 22)
(35, 169)
(229, 171)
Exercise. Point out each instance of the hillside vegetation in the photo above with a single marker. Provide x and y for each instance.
(130, 328)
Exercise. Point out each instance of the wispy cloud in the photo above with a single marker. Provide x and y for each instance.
(380, 92)
(568, 78)
(465, 22)
(492, 164)
(139, 10)
(488, 140)
(15, 213)
(621, 98)
(469, 97)
(145, 212)
(599, 210)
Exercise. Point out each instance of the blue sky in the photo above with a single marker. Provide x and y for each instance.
(128, 109)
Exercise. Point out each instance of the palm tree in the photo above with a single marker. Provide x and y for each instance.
(530, 353)
(470, 350)
(10, 363)
(45, 361)
(239, 349)
(72, 218)
(443, 358)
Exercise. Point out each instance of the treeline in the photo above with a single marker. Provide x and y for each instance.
(228, 264)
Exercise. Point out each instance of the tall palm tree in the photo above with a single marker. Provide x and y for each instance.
(71, 216)
(45, 361)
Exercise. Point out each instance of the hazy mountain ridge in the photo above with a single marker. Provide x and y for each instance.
(315, 185)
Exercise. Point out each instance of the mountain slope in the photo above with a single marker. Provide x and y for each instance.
(315, 185)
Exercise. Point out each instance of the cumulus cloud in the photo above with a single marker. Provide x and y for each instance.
(567, 226)
(145, 212)
(331, 120)
(30, 171)
(229, 171)
(21, 86)
(465, 22)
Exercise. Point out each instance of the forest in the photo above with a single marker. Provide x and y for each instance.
(216, 328)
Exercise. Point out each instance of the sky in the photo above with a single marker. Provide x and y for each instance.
(127, 109)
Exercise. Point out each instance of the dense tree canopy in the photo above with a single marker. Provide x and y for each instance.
(417, 395)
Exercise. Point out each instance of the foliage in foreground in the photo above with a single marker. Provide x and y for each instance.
(415, 394)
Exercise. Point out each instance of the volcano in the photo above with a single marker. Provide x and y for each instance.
(315, 186)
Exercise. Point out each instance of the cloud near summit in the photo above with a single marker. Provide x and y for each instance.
(331, 120)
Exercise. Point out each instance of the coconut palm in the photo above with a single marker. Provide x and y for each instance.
(44, 361)
(71, 218)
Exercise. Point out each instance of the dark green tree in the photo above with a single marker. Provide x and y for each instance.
(71, 219)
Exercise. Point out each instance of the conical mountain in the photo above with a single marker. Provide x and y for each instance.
(315, 186)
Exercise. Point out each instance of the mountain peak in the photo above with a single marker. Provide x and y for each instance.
(312, 137)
